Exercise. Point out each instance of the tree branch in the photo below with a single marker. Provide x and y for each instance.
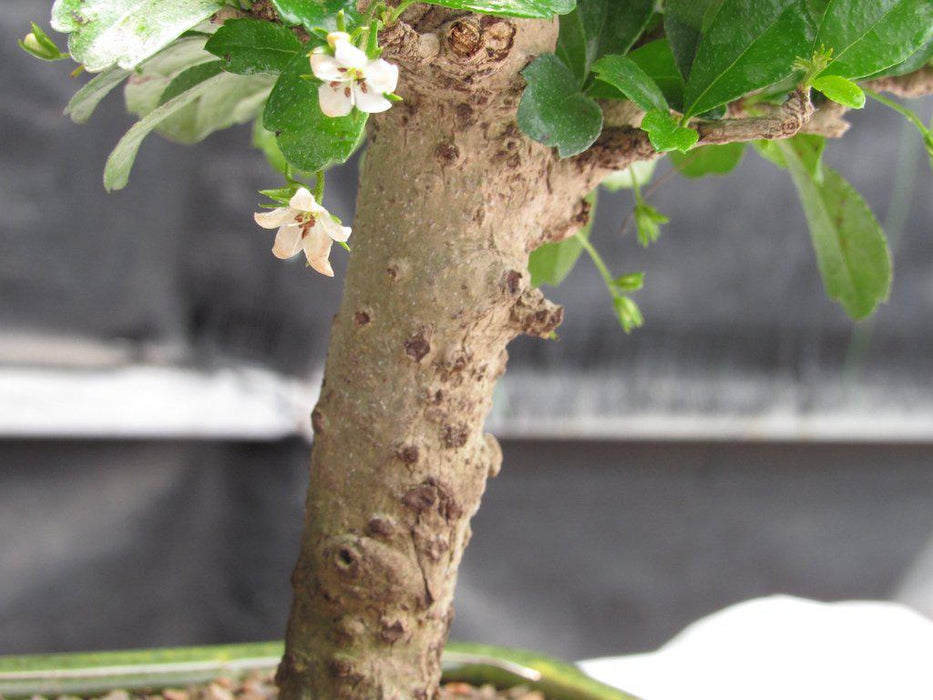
(916, 84)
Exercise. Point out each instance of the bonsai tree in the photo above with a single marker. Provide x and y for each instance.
(487, 126)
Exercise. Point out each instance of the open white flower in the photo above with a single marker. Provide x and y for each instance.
(304, 225)
(351, 78)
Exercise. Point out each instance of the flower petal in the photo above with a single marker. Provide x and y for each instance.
(348, 55)
(368, 100)
(274, 218)
(317, 250)
(381, 75)
(333, 229)
(303, 200)
(326, 67)
(334, 37)
(336, 99)
(287, 241)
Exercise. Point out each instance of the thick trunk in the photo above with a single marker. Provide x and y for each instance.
(451, 201)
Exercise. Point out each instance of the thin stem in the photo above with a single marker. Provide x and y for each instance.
(319, 187)
(597, 259)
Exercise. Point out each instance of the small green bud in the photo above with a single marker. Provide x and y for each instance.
(629, 283)
(648, 220)
(628, 313)
(37, 43)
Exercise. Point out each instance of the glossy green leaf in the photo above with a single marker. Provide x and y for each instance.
(554, 112)
(749, 44)
(120, 162)
(841, 90)
(657, 60)
(625, 22)
(552, 262)
(708, 160)
(85, 101)
(867, 37)
(535, 9)
(631, 80)
(125, 32)
(808, 147)
(309, 140)
(580, 32)
(684, 22)
(250, 46)
(315, 13)
(916, 61)
(666, 134)
(850, 246)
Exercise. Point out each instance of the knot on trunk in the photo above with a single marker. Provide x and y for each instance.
(534, 315)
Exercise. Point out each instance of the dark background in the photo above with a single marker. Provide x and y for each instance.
(747, 441)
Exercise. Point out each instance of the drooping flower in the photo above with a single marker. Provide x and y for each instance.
(351, 78)
(304, 225)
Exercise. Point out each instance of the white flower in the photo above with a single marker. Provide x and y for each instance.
(351, 78)
(304, 225)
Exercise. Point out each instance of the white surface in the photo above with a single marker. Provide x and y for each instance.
(784, 648)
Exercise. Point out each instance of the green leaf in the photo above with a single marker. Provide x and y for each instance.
(316, 13)
(632, 282)
(552, 262)
(867, 37)
(708, 160)
(916, 61)
(190, 77)
(250, 46)
(85, 101)
(628, 77)
(309, 140)
(580, 32)
(750, 44)
(648, 222)
(535, 9)
(125, 32)
(120, 162)
(684, 22)
(840, 90)
(850, 246)
(657, 60)
(554, 112)
(666, 134)
(600, 27)
(638, 174)
(809, 150)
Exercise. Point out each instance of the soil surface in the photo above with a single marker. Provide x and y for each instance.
(258, 686)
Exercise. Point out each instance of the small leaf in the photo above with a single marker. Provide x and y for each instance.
(867, 37)
(125, 32)
(708, 160)
(309, 140)
(666, 134)
(554, 112)
(629, 283)
(187, 79)
(648, 222)
(312, 14)
(840, 90)
(534, 9)
(850, 246)
(120, 162)
(657, 60)
(85, 101)
(750, 44)
(250, 46)
(600, 27)
(552, 262)
(628, 77)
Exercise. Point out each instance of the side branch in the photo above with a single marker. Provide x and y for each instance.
(916, 84)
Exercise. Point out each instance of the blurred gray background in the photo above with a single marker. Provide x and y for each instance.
(157, 366)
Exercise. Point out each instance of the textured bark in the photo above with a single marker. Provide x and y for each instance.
(452, 199)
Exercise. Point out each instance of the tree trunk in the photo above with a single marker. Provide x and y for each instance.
(452, 200)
